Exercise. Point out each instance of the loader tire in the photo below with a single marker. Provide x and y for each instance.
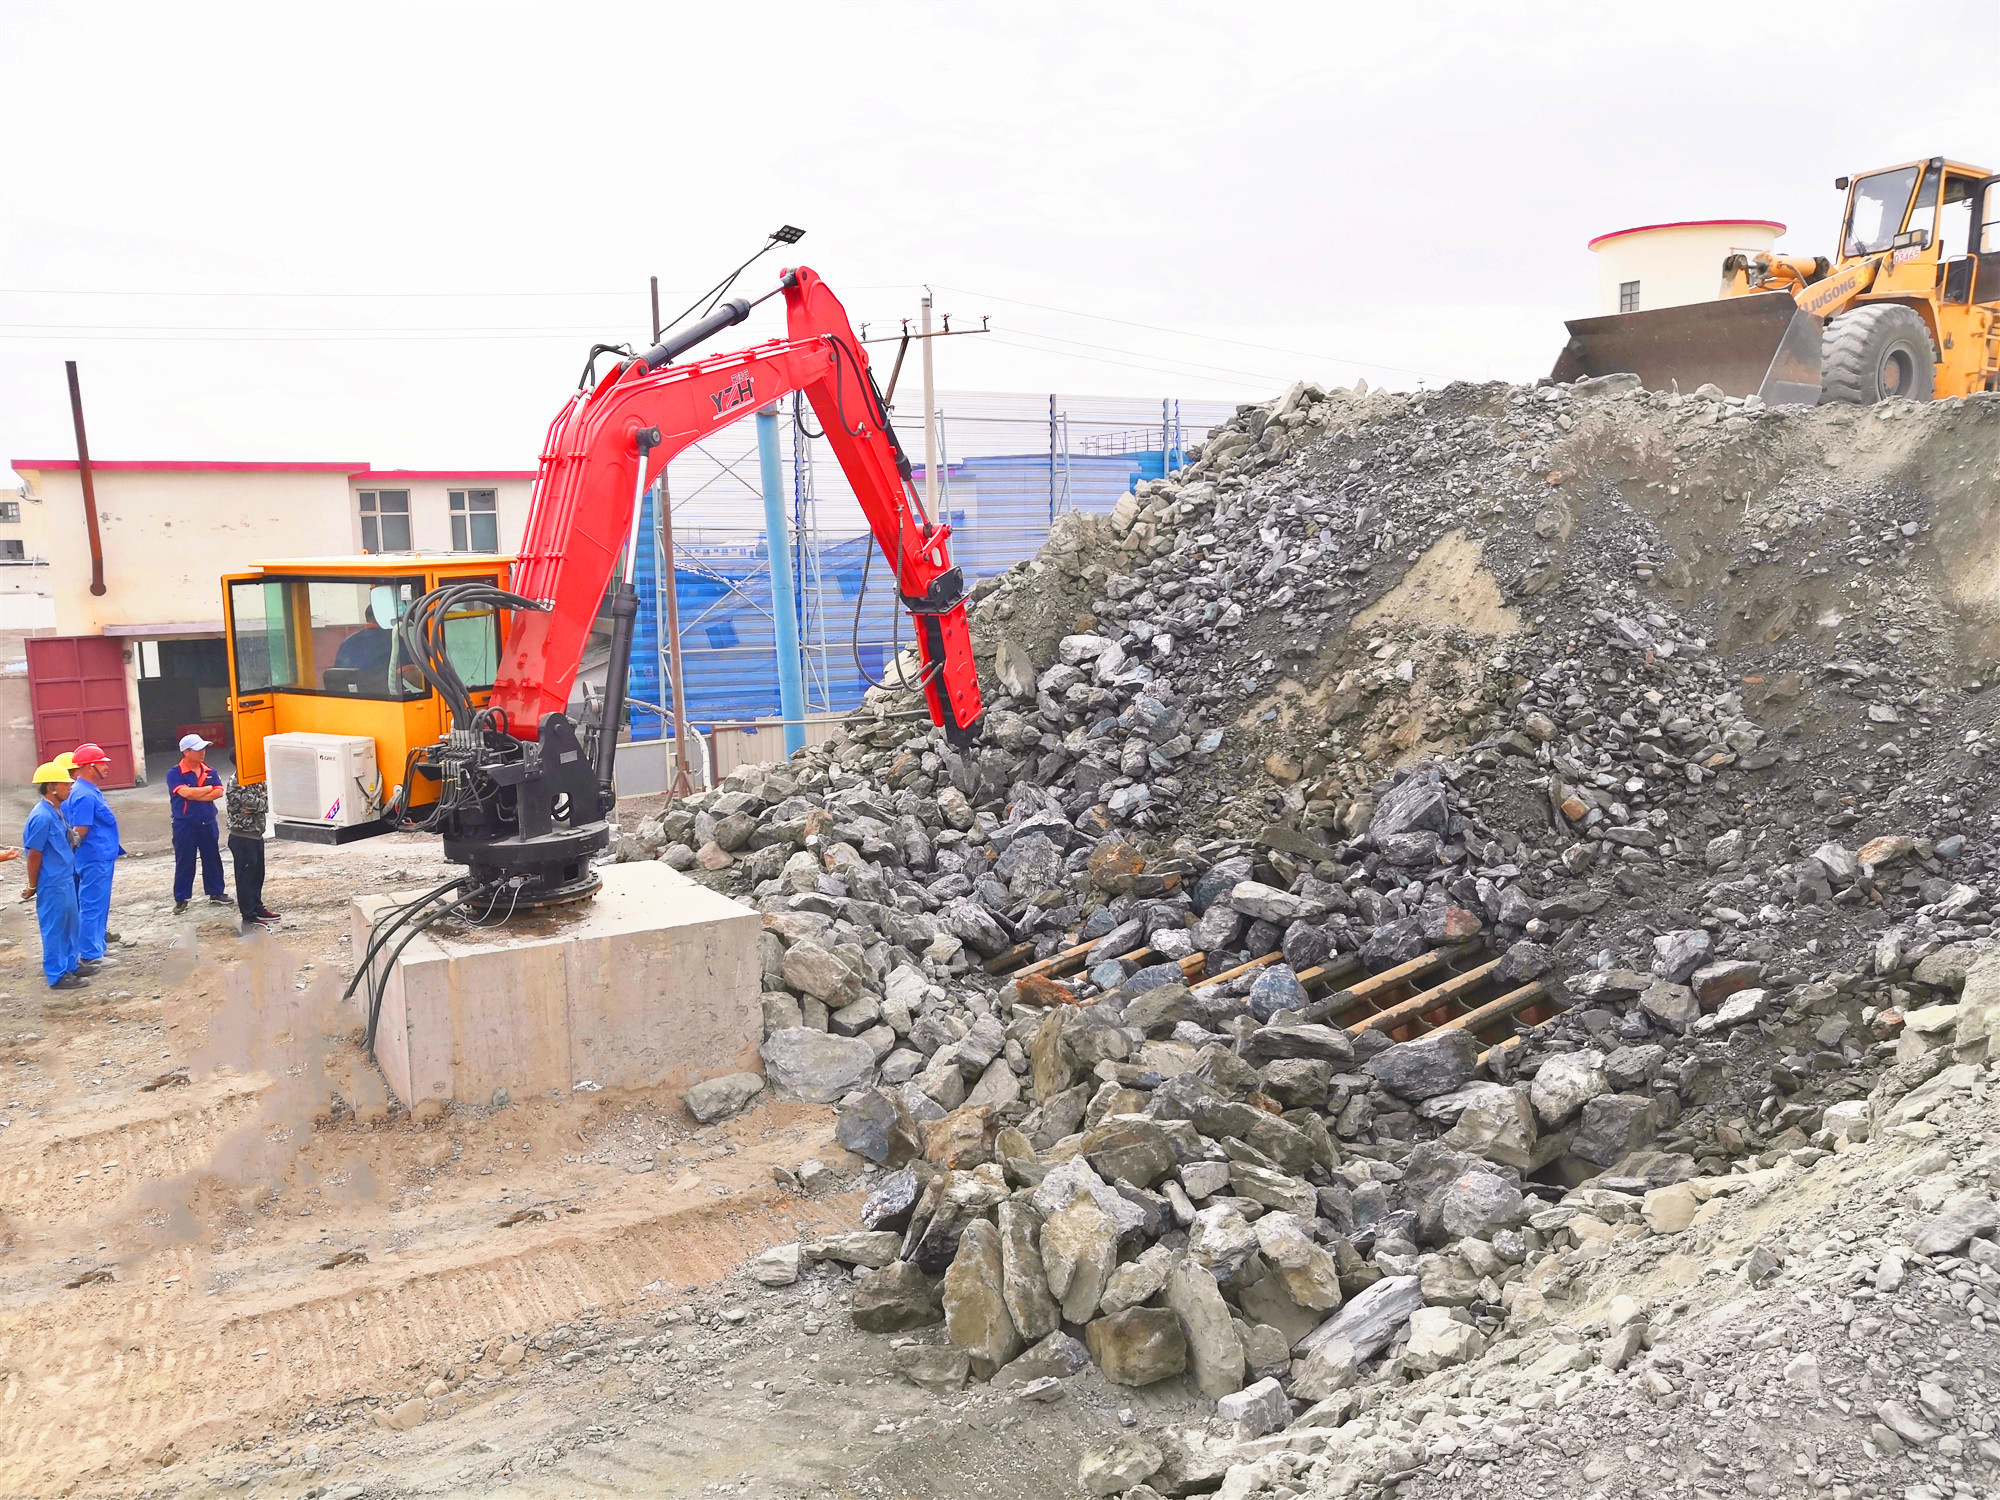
(1876, 353)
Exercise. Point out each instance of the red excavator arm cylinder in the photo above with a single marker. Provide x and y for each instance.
(583, 510)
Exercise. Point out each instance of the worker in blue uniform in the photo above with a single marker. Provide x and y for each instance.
(193, 790)
(52, 878)
(97, 850)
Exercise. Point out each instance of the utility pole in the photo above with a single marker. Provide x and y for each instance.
(930, 420)
(656, 309)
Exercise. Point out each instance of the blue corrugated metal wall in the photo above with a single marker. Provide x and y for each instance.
(728, 668)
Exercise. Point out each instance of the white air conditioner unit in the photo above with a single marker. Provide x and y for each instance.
(322, 780)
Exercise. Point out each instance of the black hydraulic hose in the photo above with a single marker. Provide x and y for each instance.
(379, 990)
(382, 933)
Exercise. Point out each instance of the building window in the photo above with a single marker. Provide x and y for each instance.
(14, 550)
(474, 526)
(10, 511)
(385, 521)
(1628, 296)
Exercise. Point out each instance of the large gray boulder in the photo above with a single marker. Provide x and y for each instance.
(976, 1318)
(817, 1066)
(1430, 1065)
(1277, 990)
(1267, 903)
(1214, 1351)
(718, 1098)
(1419, 804)
(1370, 1321)
(973, 925)
(1565, 1083)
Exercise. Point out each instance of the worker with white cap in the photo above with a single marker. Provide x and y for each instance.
(97, 849)
(194, 790)
(52, 878)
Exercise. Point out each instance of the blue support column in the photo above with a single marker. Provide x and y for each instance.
(791, 688)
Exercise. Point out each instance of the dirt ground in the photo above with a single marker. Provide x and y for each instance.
(225, 1260)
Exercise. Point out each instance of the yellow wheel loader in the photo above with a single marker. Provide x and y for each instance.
(1909, 307)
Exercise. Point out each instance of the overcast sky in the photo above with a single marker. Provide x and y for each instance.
(389, 233)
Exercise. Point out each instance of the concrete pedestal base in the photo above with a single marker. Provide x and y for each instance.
(652, 983)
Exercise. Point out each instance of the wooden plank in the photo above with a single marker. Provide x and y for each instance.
(1255, 963)
(1071, 959)
(1423, 1000)
(1497, 1010)
(1044, 965)
(1507, 1046)
(1353, 995)
(1340, 968)
(1521, 1036)
(1005, 960)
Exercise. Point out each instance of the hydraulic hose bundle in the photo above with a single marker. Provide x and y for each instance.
(421, 632)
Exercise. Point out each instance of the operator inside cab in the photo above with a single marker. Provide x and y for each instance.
(367, 651)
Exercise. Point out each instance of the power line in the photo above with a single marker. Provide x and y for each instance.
(1154, 369)
(1146, 354)
(573, 329)
(73, 291)
(76, 291)
(1072, 312)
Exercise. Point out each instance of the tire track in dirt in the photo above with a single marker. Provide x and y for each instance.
(70, 1176)
(89, 1374)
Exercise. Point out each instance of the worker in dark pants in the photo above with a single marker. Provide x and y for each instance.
(246, 808)
(52, 878)
(194, 790)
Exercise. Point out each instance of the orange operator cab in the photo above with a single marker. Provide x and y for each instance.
(314, 650)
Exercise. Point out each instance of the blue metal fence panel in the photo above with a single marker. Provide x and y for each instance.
(1000, 506)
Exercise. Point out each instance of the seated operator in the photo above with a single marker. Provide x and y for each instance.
(367, 651)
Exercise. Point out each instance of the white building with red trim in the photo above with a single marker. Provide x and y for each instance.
(1671, 265)
(167, 531)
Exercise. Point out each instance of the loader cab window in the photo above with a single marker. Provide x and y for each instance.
(1876, 211)
(1954, 224)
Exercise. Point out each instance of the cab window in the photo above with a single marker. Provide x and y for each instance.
(1954, 234)
(355, 650)
(472, 641)
(1879, 206)
(265, 658)
(339, 636)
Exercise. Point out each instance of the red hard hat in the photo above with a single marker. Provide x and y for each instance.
(88, 754)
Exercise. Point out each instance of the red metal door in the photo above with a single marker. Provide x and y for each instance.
(76, 692)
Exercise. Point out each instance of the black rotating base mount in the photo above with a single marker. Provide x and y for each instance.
(552, 869)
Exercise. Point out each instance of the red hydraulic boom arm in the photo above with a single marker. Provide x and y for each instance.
(611, 441)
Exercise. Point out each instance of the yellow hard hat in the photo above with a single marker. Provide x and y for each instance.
(50, 771)
(65, 762)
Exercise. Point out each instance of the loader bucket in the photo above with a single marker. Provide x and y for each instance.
(1757, 345)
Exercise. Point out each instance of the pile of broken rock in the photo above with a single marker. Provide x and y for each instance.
(1170, 1178)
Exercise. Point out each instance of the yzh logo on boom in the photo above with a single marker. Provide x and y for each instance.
(731, 396)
